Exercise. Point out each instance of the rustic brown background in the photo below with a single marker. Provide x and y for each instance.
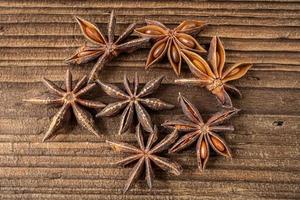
(35, 38)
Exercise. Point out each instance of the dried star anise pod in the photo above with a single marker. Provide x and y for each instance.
(132, 102)
(145, 156)
(171, 41)
(204, 133)
(211, 74)
(70, 99)
(101, 48)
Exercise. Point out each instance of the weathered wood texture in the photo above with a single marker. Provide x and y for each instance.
(35, 38)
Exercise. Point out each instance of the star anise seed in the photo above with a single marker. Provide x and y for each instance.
(101, 48)
(204, 133)
(211, 74)
(171, 42)
(145, 155)
(69, 99)
(132, 101)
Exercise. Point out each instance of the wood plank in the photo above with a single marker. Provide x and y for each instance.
(289, 58)
(122, 174)
(256, 100)
(277, 124)
(226, 31)
(158, 13)
(154, 4)
(123, 18)
(254, 78)
(57, 42)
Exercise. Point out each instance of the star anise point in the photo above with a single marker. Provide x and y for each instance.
(133, 102)
(103, 48)
(145, 155)
(212, 74)
(203, 133)
(69, 99)
(170, 42)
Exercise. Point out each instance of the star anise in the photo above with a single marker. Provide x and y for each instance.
(69, 99)
(211, 74)
(101, 48)
(132, 102)
(203, 133)
(145, 156)
(171, 41)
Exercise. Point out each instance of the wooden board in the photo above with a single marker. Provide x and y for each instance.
(35, 38)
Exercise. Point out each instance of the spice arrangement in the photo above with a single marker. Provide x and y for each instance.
(180, 45)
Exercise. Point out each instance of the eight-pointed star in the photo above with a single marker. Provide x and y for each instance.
(212, 74)
(132, 101)
(70, 99)
(204, 133)
(101, 48)
(146, 155)
(171, 41)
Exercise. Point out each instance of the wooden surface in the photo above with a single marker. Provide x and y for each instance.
(35, 38)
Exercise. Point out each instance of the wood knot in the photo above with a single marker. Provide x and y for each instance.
(278, 123)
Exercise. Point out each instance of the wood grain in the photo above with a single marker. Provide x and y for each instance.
(36, 37)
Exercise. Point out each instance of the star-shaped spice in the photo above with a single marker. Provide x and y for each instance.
(70, 99)
(132, 101)
(101, 48)
(171, 41)
(212, 74)
(204, 133)
(145, 155)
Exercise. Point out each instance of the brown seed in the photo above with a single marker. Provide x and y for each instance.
(174, 54)
(159, 49)
(199, 65)
(92, 33)
(188, 26)
(217, 143)
(218, 58)
(181, 127)
(236, 70)
(178, 126)
(187, 42)
(84, 53)
(152, 32)
(203, 150)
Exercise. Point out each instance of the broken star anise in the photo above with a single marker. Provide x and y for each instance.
(171, 42)
(211, 74)
(203, 133)
(69, 99)
(102, 48)
(145, 156)
(132, 102)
